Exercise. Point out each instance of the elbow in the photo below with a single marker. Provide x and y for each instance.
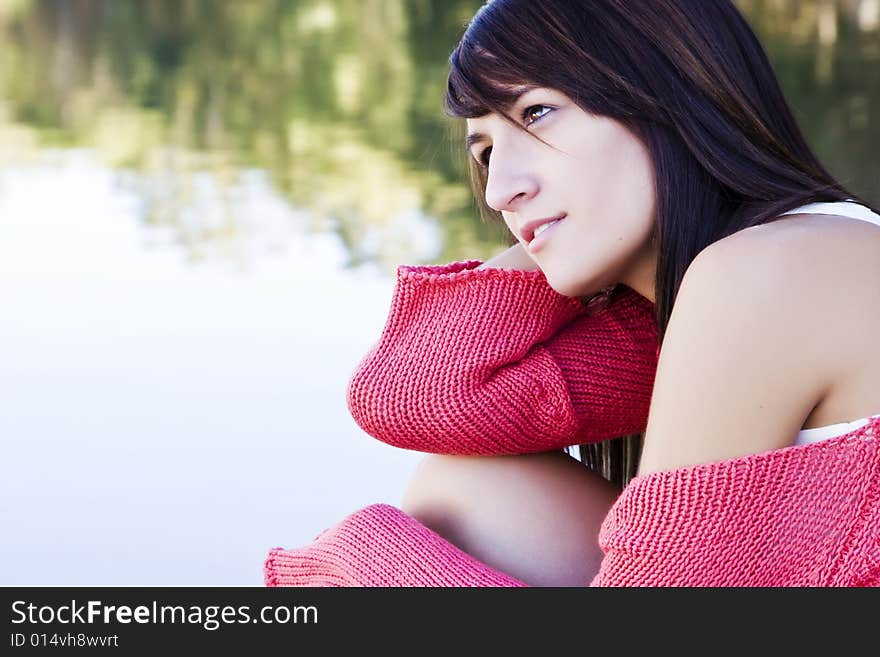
(382, 407)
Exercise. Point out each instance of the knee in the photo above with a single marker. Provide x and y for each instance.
(450, 493)
(456, 482)
(442, 491)
(437, 480)
(536, 516)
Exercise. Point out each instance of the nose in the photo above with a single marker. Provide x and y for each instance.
(510, 182)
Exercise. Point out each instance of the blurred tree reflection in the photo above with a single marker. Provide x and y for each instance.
(340, 101)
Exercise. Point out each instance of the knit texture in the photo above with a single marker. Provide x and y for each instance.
(494, 361)
(380, 546)
(806, 515)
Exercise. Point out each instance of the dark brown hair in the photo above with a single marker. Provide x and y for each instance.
(689, 78)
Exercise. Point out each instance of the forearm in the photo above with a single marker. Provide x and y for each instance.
(460, 367)
(496, 362)
(380, 546)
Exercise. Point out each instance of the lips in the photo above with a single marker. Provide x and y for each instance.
(527, 232)
(540, 229)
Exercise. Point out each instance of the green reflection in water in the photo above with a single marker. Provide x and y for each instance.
(340, 101)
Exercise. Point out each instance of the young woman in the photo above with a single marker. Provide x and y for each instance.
(659, 192)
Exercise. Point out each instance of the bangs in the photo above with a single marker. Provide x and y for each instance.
(481, 82)
(509, 47)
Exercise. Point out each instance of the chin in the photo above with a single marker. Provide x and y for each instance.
(570, 287)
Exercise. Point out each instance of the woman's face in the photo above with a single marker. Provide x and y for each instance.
(594, 173)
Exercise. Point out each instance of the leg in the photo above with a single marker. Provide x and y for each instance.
(534, 516)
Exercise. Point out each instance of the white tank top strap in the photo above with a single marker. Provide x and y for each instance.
(848, 208)
(814, 435)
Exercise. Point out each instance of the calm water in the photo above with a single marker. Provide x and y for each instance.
(201, 209)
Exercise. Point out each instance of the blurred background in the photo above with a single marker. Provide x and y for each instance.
(202, 206)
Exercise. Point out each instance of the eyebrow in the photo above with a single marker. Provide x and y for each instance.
(474, 137)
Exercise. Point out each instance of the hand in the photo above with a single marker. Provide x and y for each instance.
(514, 257)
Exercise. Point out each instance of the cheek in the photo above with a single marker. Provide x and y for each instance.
(615, 164)
(511, 225)
(629, 171)
(628, 197)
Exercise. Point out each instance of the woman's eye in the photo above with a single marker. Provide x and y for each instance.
(484, 156)
(530, 115)
(535, 112)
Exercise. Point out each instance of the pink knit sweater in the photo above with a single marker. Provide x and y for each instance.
(494, 361)
(511, 366)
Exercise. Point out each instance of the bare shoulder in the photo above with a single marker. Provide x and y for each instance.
(836, 258)
(828, 266)
(749, 351)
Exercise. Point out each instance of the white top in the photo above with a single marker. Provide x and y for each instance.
(856, 211)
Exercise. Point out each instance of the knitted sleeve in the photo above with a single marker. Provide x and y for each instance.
(380, 546)
(494, 361)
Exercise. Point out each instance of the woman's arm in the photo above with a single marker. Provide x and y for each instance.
(494, 361)
(380, 546)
